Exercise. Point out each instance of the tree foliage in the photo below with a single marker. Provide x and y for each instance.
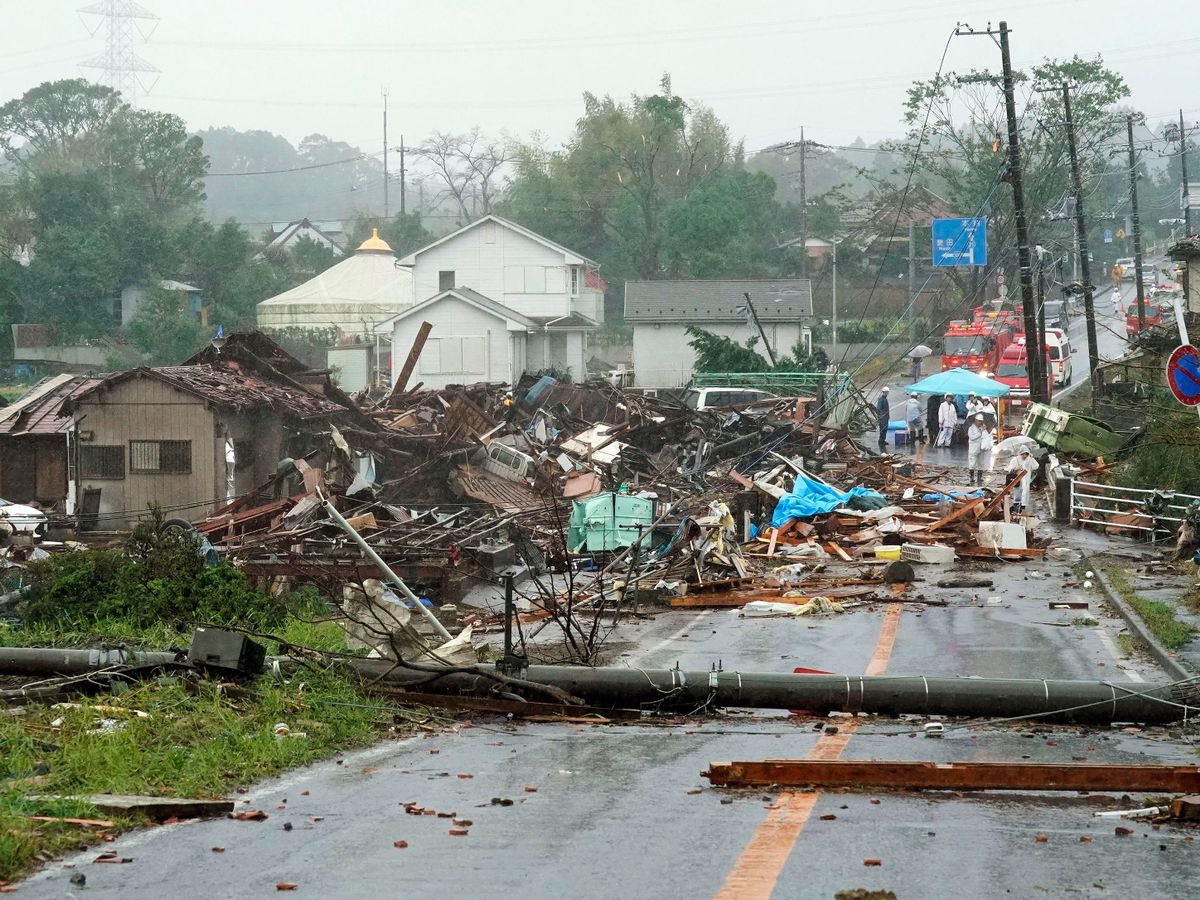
(964, 151)
(106, 197)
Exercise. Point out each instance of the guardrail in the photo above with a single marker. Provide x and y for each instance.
(1157, 513)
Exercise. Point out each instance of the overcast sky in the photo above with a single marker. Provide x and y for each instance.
(765, 66)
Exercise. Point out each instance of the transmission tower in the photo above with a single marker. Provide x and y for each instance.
(124, 23)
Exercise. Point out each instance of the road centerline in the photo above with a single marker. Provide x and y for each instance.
(756, 872)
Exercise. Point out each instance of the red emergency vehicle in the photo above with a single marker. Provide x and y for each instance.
(976, 346)
(1013, 370)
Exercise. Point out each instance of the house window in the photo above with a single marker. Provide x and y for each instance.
(576, 281)
(445, 281)
(160, 457)
(455, 356)
(99, 461)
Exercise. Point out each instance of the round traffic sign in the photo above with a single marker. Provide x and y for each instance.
(1183, 375)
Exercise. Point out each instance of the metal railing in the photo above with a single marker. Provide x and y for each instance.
(1158, 513)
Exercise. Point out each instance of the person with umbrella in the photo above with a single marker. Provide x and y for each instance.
(918, 353)
(1025, 463)
(979, 449)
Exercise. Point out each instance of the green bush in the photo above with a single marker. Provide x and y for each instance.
(156, 579)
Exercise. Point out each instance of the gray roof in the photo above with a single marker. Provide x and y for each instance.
(775, 300)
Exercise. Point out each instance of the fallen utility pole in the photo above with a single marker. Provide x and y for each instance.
(1137, 232)
(48, 661)
(1093, 702)
(757, 324)
(955, 776)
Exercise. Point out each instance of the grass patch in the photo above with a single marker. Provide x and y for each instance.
(1158, 615)
(196, 740)
(1126, 643)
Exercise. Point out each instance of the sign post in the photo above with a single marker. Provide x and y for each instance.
(960, 242)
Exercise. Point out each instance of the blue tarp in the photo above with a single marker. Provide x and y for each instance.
(958, 381)
(953, 496)
(811, 498)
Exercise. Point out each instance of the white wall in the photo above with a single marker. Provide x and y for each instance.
(500, 264)
(476, 346)
(663, 359)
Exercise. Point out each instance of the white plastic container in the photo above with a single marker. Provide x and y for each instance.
(927, 553)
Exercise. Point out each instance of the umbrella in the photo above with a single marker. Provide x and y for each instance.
(920, 351)
(959, 381)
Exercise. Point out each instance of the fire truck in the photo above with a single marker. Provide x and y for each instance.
(974, 345)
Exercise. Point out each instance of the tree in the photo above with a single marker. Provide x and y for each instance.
(609, 192)
(311, 258)
(469, 167)
(405, 233)
(728, 226)
(156, 152)
(963, 154)
(53, 119)
(164, 329)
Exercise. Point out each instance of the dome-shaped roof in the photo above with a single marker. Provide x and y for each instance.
(374, 244)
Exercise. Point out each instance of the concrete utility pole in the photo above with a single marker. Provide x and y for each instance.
(1035, 357)
(386, 207)
(1036, 361)
(757, 324)
(833, 355)
(1187, 200)
(803, 210)
(1137, 230)
(912, 281)
(403, 175)
(1089, 310)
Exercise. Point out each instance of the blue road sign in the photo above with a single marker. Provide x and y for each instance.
(1108, 235)
(1183, 375)
(960, 242)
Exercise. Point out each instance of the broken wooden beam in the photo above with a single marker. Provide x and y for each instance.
(955, 515)
(955, 776)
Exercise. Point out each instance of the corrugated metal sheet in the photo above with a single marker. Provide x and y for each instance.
(42, 413)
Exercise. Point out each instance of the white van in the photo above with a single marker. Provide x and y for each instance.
(723, 397)
(1058, 346)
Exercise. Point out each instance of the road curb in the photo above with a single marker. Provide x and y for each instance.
(1141, 631)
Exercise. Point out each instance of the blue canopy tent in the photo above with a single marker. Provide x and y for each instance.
(958, 382)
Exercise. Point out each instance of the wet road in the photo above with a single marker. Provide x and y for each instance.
(620, 810)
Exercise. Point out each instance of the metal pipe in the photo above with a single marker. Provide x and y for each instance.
(1092, 702)
(383, 567)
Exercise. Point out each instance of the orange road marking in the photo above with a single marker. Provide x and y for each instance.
(757, 869)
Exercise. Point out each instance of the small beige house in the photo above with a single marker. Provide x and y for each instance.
(185, 438)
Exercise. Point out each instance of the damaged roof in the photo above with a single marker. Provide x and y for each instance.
(40, 410)
(229, 388)
(775, 300)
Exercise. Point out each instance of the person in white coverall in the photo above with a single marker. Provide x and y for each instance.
(979, 449)
(1023, 462)
(947, 421)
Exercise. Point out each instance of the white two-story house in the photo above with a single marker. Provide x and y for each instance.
(502, 301)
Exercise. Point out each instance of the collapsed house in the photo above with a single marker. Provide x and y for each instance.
(189, 438)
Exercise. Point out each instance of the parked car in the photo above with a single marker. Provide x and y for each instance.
(723, 397)
(22, 519)
(1013, 370)
(1130, 267)
(1058, 350)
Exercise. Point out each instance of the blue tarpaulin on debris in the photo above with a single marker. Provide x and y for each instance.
(812, 498)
